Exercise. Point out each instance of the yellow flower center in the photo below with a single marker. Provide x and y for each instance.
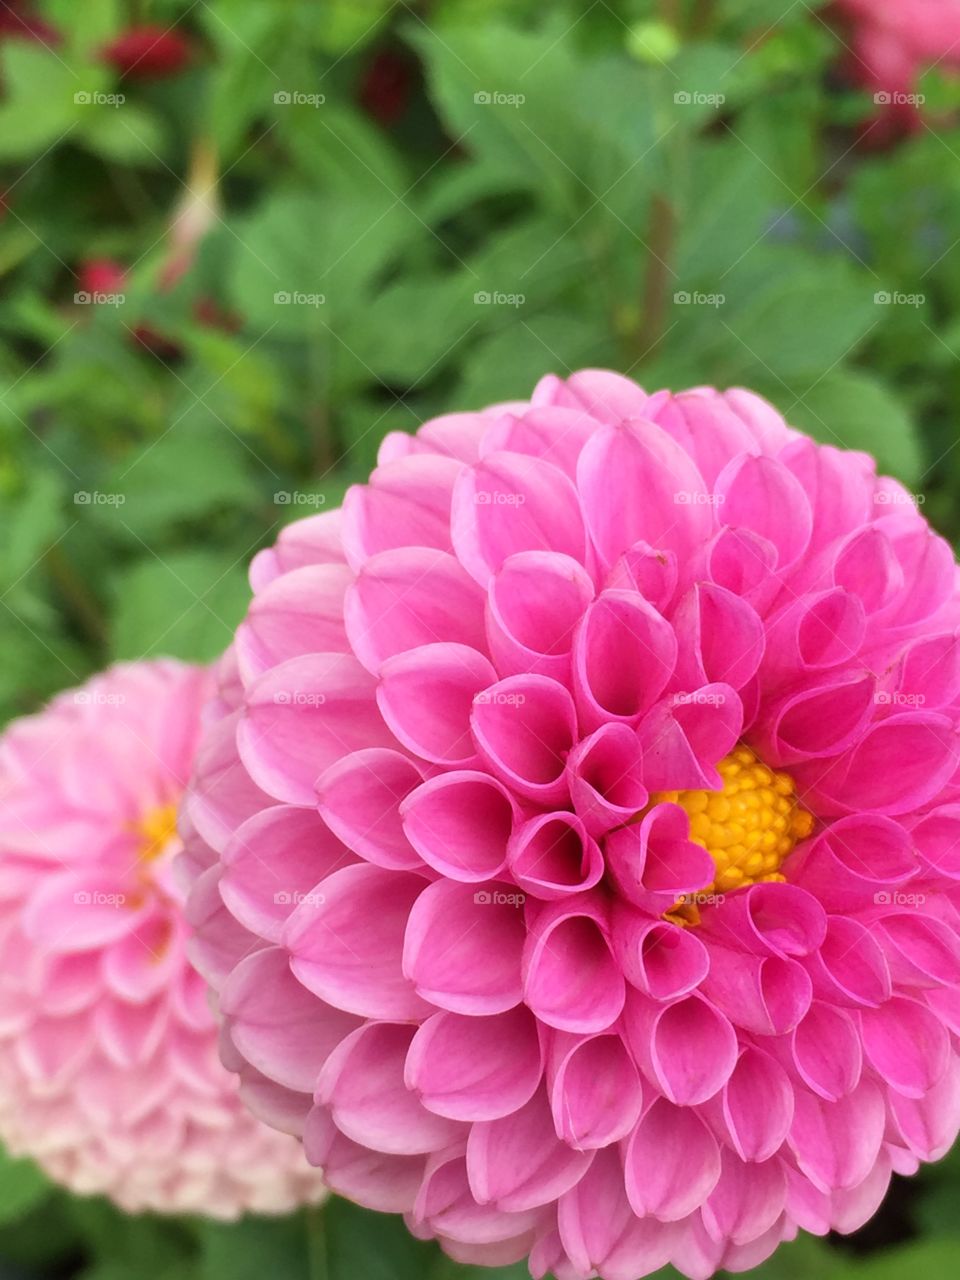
(748, 827)
(156, 831)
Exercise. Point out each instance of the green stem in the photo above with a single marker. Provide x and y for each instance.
(76, 594)
(317, 1243)
(657, 276)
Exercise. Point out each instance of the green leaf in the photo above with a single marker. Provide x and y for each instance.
(185, 605)
(254, 1248)
(375, 1246)
(22, 1186)
(854, 410)
(31, 523)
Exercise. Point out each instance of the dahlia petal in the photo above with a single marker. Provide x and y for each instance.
(849, 968)
(709, 431)
(81, 911)
(524, 727)
(228, 795)
(723, 638)
(650, 571)
(279, 1027)
(659, 959)
(822, 720)
(556, 434)
(129, 1036)
(552, 856)
(747, 1200)
(776, 919)
(595, 1090)
(856, 861)
(346, 942)
(445, 1202)
(511, 502)
(359, 798)
(623, 656)
(683, 737)
(298, 613)
(836, 1143)
(405, 504)
(851, 1207)
(475, 1068)
(362, 1085)
(271, 864)
(921, 951)
(906, 1045)
(462, 949)
(827, 1051)
(867, 567)
(608, 397)
(766, 995)
(636, 484)
(518, 1163)
(460, 824)
(928, 1125)
(744, 563)
(839, 486)
(301, 716)
(388, 1184)
(687, 1049)
(672, 1163)
(756, 1106)
(426, 695)
(137, 968)
(930, 672)
(601, 1234)
(605, 778)
(534, 603)
(571, 980)
(218, 941)
(654, 862)
(408, 597)
(759, 493)
(936, 837)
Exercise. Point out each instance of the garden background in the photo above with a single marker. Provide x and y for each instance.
(236, 254)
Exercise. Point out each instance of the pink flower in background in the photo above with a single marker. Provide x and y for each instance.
(893, 42)
(575, 834)
(109, 1072)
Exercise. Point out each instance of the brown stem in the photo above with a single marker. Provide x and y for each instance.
(79, 601)
(657, 278)
(701, 17)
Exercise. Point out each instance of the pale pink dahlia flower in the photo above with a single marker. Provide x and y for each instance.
(576, 846)
(109, 1071)
(891, 43)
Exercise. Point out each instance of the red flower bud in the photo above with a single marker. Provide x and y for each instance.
(150, 52)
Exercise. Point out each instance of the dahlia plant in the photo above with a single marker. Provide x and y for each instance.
(109, 1071)
(573, 840)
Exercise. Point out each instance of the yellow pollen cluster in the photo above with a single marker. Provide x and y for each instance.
(156, 831)
(750, 826)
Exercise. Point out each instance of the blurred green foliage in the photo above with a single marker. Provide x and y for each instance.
(391, 209)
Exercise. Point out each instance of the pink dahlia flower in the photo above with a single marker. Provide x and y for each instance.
(109, 1071)
(893, 42)
(575, 845)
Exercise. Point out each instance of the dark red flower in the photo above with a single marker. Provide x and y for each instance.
(19, 22)
(148, 52)
(386, 84)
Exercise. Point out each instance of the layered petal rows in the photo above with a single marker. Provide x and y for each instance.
(109, 1071)
(574, 836)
